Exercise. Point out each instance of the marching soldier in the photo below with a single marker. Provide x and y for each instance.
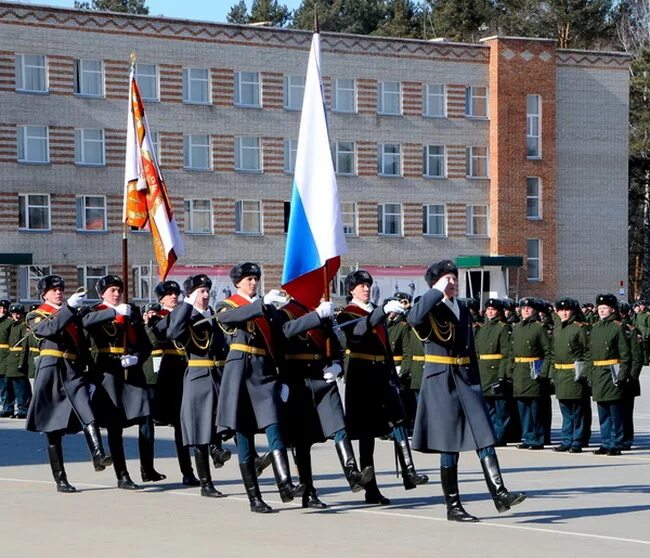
(632, 387)
(6, 403)
(61, 404)
(17, 362)
(568, 373)
(372, 404)
(452, 416)
(120, 346)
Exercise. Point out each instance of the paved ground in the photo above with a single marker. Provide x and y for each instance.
(579, 505)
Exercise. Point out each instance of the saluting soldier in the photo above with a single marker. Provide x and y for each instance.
(6, 403)
(452, 415)
(569, 373)
(250, 390)
(494, 350)
(61, 404)
(17, 362)
(120, 346)
(531, 349)
(372, 404)
(632, 387)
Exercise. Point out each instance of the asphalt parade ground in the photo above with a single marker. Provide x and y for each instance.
(578, 505)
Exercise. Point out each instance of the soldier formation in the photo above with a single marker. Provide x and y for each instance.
(435, 369)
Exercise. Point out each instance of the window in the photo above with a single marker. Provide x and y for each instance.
(433, 161)
(34, 212)
(28, 281)
(196, 152)
(248, 217)
(91, 213)
(534, 259)
(339, 280)
(89, 78)
(33, 144)
(294, 89)
(290, 150)
(142, 281)
(389, 97)
(434, 220)
(349, 218)
(196, 86)
(88, 275)
(477, 162)
(477, 220)
(89, 147)
(247, 89)
(533, 197)
(155, 144)
(287, 215)
(476, 102)
(389, 159)
(389, 219)
(433, 101)
(344, 96)
(30, 73)
(147, 77)
(533, 126)
(344, 158)
(247, 154)
(198, 216)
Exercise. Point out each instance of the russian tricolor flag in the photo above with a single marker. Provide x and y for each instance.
(315, 238)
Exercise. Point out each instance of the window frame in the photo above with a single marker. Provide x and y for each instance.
(189, 211)
(26, 208)
(142, 276)
(426, 97)
(381, 219)
(288, 100)
(538, 197)
(22, 131)
(381, 162)
(538, 259)
(82, 279)
(21, 88)
(82, 217)
(534, 120)
(469, 162)
(289, 156)
(355, 219)
(239, 154)
(28, 282)
(80, 142)
(426, 161)
(338, 152)
(239, 84)
(78, 79)
(426, 216)
(240, 212)
(336, 98)
(381, 100)
(188, 80)
(188, 146)
(140, 78)
(471, 97)
(471, 214)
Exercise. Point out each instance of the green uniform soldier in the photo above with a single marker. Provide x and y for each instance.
(588, 312)
(610, 367)
(641, 321)
(631, 388)
(6, 406)
(16, 362)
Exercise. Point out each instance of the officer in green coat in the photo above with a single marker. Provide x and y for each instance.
(531, 350)
(6, 404)
(16, 362)
(569, 373)
(493, 345)
(415, 359)
(641, 321)
(611, 360)
(632, 387)
(588, 312)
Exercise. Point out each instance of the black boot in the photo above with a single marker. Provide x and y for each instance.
(288, 491)
(116, 444)
(184, 461)
(94, 440)
(262, 463)
(373, 496)
(145, 447)
(357, 479)
(449, 482)
(503, 500)
(203, 469)
(252, 488)
(219, 455)
(410, 476)
(303, 462)
(55, 453)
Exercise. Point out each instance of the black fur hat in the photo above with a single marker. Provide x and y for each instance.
(194, 282)
(166, 287)
(50, 282)
(155, 306)
(567, 304)
(108, 281)
(4, 303)
(495, 303)
(529, 301)
(608, 299)
(245, 269)
(17, 308)
(399, 295)
(357, 278)
(438, 269)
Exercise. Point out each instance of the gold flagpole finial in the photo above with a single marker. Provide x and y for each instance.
(134, 58)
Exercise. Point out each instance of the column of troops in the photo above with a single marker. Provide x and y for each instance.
(432, 375)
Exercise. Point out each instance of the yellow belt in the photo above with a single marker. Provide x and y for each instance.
(303, 356)
(569, 366)
(495, 356)
(4, 346)
(527, 359)
(16, 350)
(34, 350)
(156, 352)
(205, 362)
(366, 356)
(58, 354)
(174, 352)
(417, 358)
(247, 349)
(446, 359)
(609, 362)
(111, 350)
(398, 358)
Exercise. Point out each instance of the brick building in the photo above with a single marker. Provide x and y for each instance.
(510, 147)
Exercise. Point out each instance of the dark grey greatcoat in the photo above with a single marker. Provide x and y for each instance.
(121, 396)
(451, 414)
(315, 411)
(61, 400)
(202, 341)
(250, 390)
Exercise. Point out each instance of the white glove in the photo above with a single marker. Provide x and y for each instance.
(276, 298)
(331, 372)
(76, 300)
(398, 370)
(128, 360)
(325, 309)
(191, 299)
(123, 309)
(393, 306)
(284, 392)
(441, 284)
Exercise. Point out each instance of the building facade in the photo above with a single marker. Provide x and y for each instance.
(510, 147)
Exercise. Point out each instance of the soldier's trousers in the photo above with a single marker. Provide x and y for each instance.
(6, 396)
(573, 422)
(532, 429)
(610, 415)
(628, 421)
(246, 443)
(498, 410)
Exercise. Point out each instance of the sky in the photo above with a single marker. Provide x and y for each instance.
(202, 10)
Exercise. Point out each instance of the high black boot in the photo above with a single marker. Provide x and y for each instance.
(503, 500)
(357, 479)
(145, 447)
(449, 482)
(55, 453)
(219, 455)
(262, 463)
(366, 451)
(184, 461)
(116, 444)
(203, 469)
(410, 476)
(288, 491)
(253, 489)
(94, 441)
(303, 462)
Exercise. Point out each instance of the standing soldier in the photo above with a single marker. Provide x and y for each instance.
(531, 349)
(570, 356)
(120, 346)
(17, 362)
(494, 352)
(6, 403)
(61, 404)
(452, 416)
(642, 323)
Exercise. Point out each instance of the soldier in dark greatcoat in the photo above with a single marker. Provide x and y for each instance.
(120, 347)
(632, 387)
(17, 362)
(61, 404)
(452, 415)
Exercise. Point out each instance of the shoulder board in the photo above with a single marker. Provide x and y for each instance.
(618, 322)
